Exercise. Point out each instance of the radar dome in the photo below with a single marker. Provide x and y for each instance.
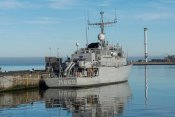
(77, 44)
(101, 37)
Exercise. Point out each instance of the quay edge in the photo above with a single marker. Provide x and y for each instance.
(21, 80)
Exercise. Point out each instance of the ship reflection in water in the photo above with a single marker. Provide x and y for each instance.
(14, 99)
(105, 101)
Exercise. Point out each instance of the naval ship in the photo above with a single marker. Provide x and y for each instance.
(99, 63)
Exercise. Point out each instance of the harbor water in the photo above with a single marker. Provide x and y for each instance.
(149, 93)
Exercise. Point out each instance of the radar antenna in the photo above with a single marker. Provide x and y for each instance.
(102, 24)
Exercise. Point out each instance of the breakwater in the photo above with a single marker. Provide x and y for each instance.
(15, 80)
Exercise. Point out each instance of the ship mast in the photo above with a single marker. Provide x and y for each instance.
(102, 24)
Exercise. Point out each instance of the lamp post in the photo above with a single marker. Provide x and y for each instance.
(145, 44)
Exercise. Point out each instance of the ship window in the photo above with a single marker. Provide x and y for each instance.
(93, 45)
(80, 56)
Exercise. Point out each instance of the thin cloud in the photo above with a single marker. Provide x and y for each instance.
(10, 4)
(105, 3)
(169, 1)
(155, 16)
(62, 4)
(8, 21)
(43, 21)
(13, 4)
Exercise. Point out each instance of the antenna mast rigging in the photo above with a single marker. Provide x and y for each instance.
(102, 24)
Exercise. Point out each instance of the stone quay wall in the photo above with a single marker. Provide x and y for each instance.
(20, 80)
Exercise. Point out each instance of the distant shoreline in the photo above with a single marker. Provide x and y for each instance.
(153, 63)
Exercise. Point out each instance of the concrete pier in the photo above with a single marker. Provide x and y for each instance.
(20, 80)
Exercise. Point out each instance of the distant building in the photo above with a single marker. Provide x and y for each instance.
(170, 58)
(158, 60)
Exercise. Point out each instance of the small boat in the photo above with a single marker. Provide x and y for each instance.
(99, 63)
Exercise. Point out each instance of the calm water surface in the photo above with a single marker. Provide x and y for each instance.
(153, 97)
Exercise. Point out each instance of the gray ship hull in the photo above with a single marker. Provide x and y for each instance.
(107, 75)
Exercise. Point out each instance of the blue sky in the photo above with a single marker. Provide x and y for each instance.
(28, 28)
